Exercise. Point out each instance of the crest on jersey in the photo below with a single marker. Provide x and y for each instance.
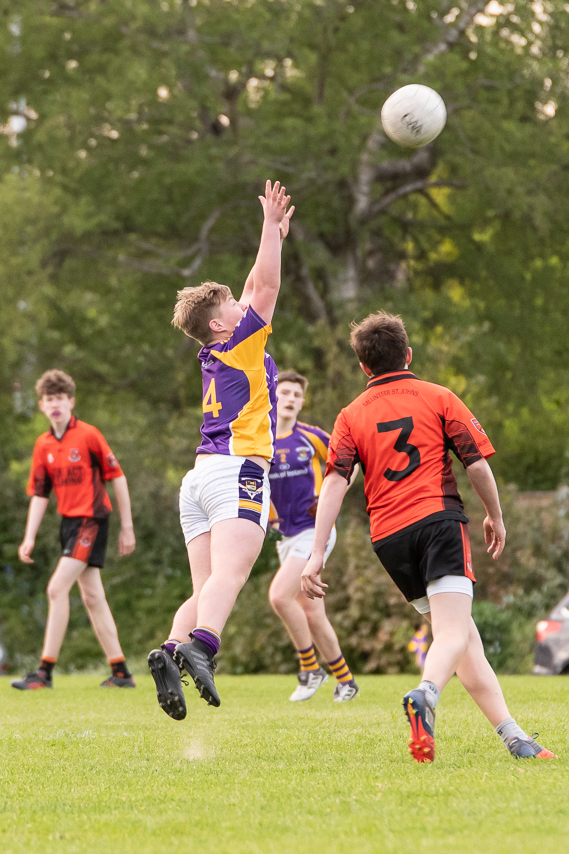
(111, 459)
(303, 454)
(74, 455)
(50, 458)
(478, 426)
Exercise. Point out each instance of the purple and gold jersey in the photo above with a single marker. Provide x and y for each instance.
(296, 476)
(239, 392)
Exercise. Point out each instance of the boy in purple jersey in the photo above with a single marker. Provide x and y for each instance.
(296, 478)
(224, 499)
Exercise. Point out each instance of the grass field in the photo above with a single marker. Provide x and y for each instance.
(87, 770)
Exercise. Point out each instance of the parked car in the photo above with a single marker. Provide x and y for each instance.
(552, 642)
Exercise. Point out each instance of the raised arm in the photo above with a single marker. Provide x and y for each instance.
(266, 273)
(247, 294)
(332, 494)
(482, 479)
(248, 288)
(36, 510)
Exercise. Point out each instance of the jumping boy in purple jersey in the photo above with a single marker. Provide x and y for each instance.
(295, 480)
(224, 500)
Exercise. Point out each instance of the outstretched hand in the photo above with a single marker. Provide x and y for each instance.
(495, 535)
(275, 203)
(310, 581)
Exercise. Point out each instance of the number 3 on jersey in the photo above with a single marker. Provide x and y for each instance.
(405, 425)
(210, 403)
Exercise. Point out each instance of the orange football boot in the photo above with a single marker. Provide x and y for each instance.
(421, 717)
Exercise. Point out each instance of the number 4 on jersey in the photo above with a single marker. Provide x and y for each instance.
(210, 403)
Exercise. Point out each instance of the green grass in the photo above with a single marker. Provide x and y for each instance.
(86, 770)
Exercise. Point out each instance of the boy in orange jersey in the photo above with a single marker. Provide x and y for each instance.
(224, 499)
(296, 479)
(74, 460)
(401, 430)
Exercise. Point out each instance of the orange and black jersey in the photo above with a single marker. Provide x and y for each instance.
(76, 468)
(401, 430)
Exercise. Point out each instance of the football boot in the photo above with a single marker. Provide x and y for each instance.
(421, 717)
(168, 681)
(197, 660)
(32, 682)
(118, 682)
(345, 691)
(309, 681)
(523, 748)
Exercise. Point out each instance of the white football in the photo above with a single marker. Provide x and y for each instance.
(413, 116)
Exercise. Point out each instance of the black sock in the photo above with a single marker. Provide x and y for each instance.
(46, 666)
(119, 668)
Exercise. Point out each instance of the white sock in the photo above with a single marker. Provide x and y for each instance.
(509, 729)
(432, 692)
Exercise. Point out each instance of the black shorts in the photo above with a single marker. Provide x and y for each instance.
(84, 539)
(424, 554)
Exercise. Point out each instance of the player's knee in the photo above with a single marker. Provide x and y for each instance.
(92, 596)
(451, 638)
(277, 600)
(56, 590)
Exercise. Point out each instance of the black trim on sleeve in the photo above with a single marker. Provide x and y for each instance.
(469, 451)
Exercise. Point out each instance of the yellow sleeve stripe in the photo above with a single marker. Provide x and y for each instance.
(248, 355)
(317, 475)
(321, 448)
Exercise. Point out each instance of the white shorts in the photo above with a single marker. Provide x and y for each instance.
(301, 545)
(446, 584)
(223, 487)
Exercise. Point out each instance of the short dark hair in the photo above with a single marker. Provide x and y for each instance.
(380, 342)
(293, 377)
(195, 307)
(55, 382)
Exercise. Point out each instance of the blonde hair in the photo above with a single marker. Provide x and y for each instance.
(195, 307)
(55, 382)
